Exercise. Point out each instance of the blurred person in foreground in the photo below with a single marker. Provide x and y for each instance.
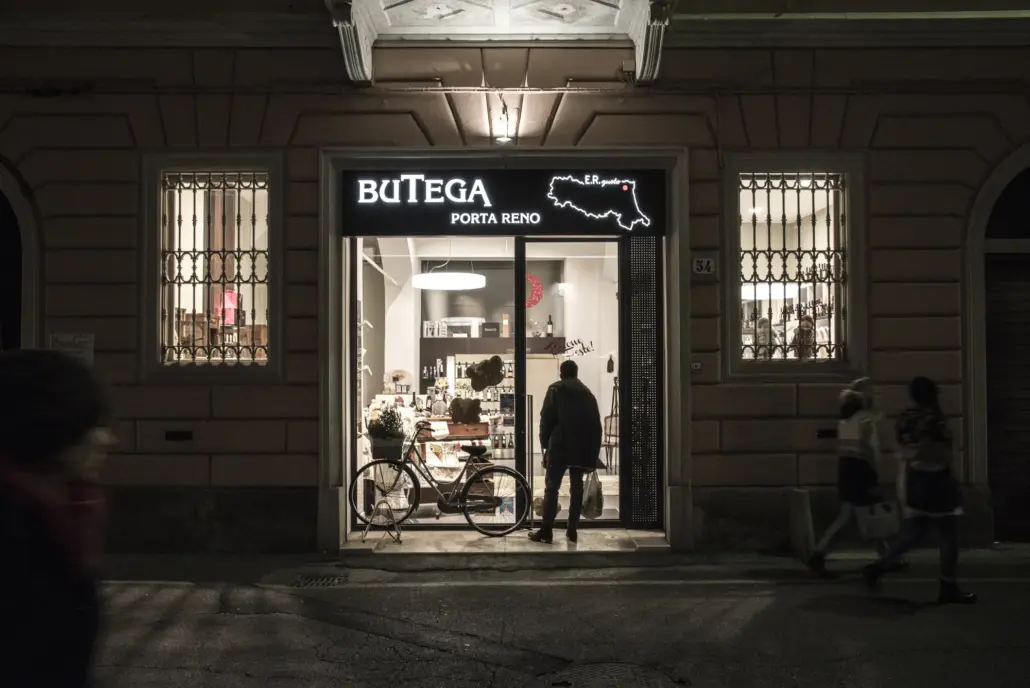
(53, 441)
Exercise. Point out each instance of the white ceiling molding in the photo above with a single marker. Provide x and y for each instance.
(357, 32)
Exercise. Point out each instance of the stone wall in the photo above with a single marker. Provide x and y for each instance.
(931, 123)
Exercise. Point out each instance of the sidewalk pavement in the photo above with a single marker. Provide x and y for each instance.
(1000, 562)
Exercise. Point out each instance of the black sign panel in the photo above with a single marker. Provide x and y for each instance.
(503, 202)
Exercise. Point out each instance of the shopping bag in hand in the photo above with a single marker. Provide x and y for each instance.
(878, 521)
(593, 497)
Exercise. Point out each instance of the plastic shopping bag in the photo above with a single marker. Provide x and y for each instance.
(593, 497)
(878, 521)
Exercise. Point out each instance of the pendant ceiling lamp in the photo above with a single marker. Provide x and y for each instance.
(439, 279)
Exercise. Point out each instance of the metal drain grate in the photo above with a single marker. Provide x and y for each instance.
(306, 580)
(614, 675)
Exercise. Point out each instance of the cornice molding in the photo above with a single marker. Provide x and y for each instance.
(648, 33)
(655, 30)
(130, 31)
(848, 33)
(357, 33)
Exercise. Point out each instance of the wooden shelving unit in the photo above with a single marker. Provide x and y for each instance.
(432, 348)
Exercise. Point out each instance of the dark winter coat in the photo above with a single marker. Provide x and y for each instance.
(49, 610)
(570, 425)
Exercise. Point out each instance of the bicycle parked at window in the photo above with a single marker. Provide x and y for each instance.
(490, 497)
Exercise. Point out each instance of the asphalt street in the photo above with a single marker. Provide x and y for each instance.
(589, 628)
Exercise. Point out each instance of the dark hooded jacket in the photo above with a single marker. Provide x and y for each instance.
(570, 425)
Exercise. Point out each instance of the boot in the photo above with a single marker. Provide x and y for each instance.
(898, 567)
(951, 594)
(541, 536)
(817, 563)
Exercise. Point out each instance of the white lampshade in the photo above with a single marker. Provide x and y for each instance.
(442, 280)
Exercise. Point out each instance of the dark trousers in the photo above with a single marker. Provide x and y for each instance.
(552, 483)
(914, 531)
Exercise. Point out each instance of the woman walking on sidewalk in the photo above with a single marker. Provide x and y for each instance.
(928, 490)
(858, 451)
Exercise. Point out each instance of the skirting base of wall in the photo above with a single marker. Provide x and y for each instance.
(245, 520)
(758, 519)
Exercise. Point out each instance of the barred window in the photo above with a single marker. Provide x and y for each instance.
(793, 276)
(214, 284)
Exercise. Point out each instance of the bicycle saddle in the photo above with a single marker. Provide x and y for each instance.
(474, 451)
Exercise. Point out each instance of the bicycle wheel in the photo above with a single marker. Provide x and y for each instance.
(491, 499)
(379, 480)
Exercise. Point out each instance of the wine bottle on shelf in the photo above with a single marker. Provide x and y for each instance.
(550, 327)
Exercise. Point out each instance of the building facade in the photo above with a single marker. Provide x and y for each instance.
(851, 187)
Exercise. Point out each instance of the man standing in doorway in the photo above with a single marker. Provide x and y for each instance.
(570, 433)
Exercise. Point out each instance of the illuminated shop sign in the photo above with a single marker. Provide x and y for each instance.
(414, 189)
(399, 203)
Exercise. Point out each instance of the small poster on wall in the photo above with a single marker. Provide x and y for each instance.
(80, 346)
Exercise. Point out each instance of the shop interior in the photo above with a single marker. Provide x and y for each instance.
(430, 309)
(791, 266)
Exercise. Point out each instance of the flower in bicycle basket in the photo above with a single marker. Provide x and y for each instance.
(386, 424)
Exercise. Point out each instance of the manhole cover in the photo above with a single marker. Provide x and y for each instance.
(310, 581)
(614, 676)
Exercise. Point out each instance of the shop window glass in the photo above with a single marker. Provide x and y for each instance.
(793, 267)
(214, 284)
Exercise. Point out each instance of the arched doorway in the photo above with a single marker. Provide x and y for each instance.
(10, 277)
(1007, 348)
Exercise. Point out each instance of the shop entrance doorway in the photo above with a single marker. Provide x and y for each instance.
(583, 326)
(10, 277)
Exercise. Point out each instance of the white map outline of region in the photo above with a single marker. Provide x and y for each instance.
(642, 219)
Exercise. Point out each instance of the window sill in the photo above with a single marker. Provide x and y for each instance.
(789, 371)
(213, 372)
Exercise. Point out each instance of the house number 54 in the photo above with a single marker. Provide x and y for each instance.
(704, 266)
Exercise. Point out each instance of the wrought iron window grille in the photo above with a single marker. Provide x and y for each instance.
(793, 266)
(214, 268)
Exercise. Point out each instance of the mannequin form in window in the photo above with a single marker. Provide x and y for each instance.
(765, 340)
(803, 341)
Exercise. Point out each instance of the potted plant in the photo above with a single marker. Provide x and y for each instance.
(386, 430)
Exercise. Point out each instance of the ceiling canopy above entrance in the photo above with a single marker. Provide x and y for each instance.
(364, 23)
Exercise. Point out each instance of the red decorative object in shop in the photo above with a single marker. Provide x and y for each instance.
(536, 290)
